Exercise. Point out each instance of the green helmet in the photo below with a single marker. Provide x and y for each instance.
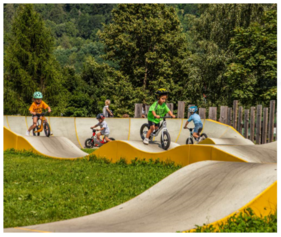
(37, 95)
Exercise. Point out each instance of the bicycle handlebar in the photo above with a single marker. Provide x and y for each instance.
(42, 114)
(164, 117)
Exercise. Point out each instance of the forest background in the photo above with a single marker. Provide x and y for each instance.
(78, 55)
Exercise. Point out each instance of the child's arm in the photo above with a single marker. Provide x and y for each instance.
(155, 115)
(95, 126)
(49, 109)
(34, 113)
(171, 114)
(185, 126)
(108, 111)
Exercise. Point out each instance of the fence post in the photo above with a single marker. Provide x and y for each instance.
(138, 110)
(246, 123)
(223, 114)
(188, 114)
(202, 113)
(181, 109)
(171, 107)
(235, 110)
(276, 126)
(240, 120)
(252, 125)
(147, 109)
(213, 113)
(259, 116)
(271, 121)
(229, 116)
(265, 124)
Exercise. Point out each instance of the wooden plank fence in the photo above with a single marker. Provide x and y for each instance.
(257, 123)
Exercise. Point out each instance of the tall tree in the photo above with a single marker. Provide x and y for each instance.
(30, 65)
(211, 34)
(147, 42)
(252, 77)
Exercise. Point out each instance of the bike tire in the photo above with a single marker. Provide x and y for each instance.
(145, 125)
(89, 143)
(111, 138)
(47, 129)
(189, 140)
(166, 145)
(34, 130)
(204, 136)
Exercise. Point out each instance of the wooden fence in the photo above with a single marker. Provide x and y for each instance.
(257, 123)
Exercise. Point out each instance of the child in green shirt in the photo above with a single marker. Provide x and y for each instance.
(157, 109)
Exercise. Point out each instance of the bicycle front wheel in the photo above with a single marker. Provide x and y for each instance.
(89, 143)
(34, 131)
(204, 136)
(189, 140)
(47, 129)
(165, 140)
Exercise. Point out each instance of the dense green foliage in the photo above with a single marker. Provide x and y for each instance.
(30, 64)
(245, 221)
(147, 42)
(40, 190)
(81, 54)
(252, 75)
(213, 52)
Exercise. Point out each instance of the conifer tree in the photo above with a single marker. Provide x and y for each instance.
(30, 65)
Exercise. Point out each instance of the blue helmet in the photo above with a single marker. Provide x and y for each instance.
(100, 116)
(193, 109)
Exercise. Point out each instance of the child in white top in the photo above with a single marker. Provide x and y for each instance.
(106, 110)
(104, 129)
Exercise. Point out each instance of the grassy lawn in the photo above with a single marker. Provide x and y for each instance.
(39, 190)
(88, 150)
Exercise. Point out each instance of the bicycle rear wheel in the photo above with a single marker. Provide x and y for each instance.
(47, 129)
(143, 131)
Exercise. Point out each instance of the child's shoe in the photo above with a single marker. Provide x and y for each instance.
(146, 141)
(27, 133)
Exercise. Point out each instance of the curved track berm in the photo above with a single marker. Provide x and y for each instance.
(203, 192)
(221, 177)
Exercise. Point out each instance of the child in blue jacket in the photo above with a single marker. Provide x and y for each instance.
(196, 120)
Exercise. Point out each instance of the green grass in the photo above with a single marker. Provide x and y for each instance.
(39, 190)
(88, 150)
(244, 222)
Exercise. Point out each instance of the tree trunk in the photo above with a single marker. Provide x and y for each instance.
(145, 76)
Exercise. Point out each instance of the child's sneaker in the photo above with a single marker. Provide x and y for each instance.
(27, 133)
(146, 141)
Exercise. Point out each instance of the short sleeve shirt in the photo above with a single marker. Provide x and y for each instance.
(104, 111)
(160, 110)
(195, 118)
(38, 107)
(104, 125)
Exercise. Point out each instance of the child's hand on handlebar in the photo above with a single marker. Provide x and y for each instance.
(185, 127)
(157, 116)
(173, 116)
(34, 113)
